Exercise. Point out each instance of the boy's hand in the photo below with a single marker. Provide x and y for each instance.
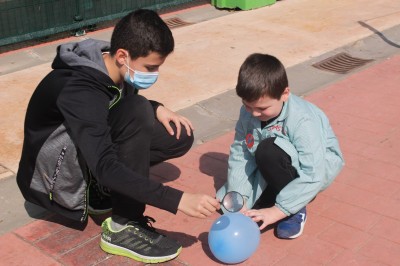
(198, 205)
(165, 116)
(244, 209)
(267, 215)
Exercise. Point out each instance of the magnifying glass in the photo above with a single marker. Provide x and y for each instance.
(233, 201)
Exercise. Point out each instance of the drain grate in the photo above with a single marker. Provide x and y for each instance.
(176, 22)
(341, 63)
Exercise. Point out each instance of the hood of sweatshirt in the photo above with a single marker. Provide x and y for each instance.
(87, 53)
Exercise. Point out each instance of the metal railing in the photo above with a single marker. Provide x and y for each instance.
(22, 20)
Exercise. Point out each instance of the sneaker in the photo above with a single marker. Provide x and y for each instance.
(99, 199)
(138, 241)
(292, 227)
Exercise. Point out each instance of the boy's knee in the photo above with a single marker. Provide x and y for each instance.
(132, 114)
(185, 142)
(266, 151)
(140, 108)
(188, 141)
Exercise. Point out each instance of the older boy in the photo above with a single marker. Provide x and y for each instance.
(284, 152)
(88, 131)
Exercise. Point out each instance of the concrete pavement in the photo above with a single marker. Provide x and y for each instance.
(198, 80)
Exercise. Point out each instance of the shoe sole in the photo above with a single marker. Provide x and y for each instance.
(98, 212)
(117, 250)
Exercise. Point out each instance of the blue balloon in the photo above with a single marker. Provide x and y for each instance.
(233, 237)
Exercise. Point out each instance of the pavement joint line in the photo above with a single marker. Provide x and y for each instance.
(213, 114)
(81, 244)
(6, 175)
(383, 16)
(34, 55)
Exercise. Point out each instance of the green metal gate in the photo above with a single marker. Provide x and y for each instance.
(22, 20)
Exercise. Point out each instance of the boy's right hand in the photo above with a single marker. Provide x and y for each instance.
(198, 205)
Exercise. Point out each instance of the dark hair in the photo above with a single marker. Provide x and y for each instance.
(261, 75)
(140, 33)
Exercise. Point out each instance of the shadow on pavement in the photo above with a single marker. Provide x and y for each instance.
(215, 164)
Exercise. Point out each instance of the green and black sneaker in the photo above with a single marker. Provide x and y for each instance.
(138, 241)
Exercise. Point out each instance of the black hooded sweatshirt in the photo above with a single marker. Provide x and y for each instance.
(67, 135)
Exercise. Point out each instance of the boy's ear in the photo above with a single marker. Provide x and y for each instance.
(285, 94)
(121, 56)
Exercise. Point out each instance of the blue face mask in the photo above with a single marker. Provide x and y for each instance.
(140, 80)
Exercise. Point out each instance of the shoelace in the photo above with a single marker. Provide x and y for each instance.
(297, 218)
(145, 227)
(147, 222)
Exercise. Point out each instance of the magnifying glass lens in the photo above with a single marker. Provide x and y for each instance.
(233, 201)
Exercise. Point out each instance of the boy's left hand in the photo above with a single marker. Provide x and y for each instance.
(165, 116)
(267, 215)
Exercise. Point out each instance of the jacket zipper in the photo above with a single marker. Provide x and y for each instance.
(114, 102)
(57, 171)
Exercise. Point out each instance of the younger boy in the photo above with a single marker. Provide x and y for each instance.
(284, 152)
(88, 131)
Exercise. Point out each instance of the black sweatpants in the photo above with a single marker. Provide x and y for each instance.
(275, 165)
(141, 141)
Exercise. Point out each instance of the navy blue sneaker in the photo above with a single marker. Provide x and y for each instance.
(292, 227)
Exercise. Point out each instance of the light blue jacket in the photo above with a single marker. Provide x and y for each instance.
(303, 131)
